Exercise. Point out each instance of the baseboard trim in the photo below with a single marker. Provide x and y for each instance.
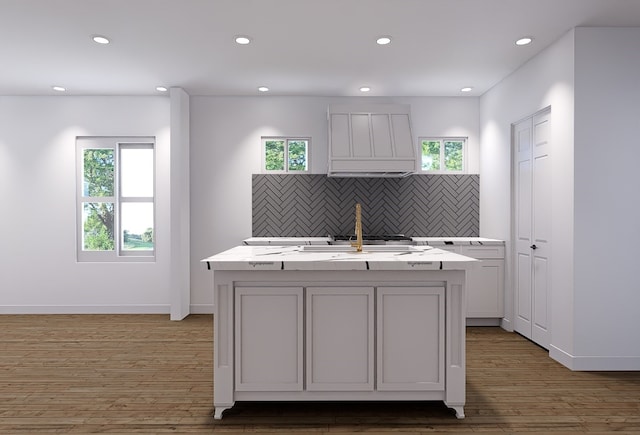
(595, 363)
(479, 321)
(506, 324)
(201, 308)
(85, 309)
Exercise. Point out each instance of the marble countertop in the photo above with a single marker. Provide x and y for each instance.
(337, 258)
(287, 241)
(457, 241)
(432, 241)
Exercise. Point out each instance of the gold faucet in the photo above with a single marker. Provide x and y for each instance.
(358, 243)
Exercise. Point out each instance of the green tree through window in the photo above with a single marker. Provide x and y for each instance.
(443, 155)
(98, 169)
(274, 155)
(453, 155)
(285, 154)
(115, 198)
(297, 155)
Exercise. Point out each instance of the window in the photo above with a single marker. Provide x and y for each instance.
(443, 155)
(115, 199)
(281, 154)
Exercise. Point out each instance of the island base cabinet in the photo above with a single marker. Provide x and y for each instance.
(410, 338)
(295, 336)
(268, 340)
(339, 345)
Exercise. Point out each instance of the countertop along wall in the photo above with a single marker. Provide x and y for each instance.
(226, 150)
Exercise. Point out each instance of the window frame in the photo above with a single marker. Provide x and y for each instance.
(286, 139)
(117, 144)
(442, 140)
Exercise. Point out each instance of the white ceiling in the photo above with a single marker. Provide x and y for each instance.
(300, 47)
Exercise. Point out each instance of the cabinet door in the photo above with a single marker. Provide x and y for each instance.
(268, 341)
(485, 289)
(339, 322)
(410, 338)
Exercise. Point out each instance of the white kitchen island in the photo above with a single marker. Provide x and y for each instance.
(322, 323)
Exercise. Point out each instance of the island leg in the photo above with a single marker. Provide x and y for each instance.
(217, 414)
(459, 411)
(223, 357)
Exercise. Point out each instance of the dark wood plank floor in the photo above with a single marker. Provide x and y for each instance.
(145, 374)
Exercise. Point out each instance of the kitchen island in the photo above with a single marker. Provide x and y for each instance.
(321, 323)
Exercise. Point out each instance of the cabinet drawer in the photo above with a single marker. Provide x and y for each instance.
(480, 252)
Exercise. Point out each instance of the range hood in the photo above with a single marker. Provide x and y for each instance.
(370, 140)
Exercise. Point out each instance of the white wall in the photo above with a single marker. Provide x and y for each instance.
(546, 80)
(589, 78)
(38, 268)
(226, 151)
(607, 195)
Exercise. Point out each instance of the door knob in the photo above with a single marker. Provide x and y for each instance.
(533, 247)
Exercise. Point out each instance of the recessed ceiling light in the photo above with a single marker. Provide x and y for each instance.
(243, 40)
(365, 89)
(263, 89)
(383, 40)
(466, 89)
(524, 41)
(100, 39)
(58, 88)
(161, 89)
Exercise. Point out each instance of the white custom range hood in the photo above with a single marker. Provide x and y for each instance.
(370, 140)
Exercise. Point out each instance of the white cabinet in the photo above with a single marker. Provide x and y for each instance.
(345, 338)
(410, 338)
(358, 335)
(485, 283)
(268, 341)
(339, 345)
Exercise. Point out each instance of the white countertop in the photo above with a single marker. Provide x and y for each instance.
(280, 241)
(431, 241)
(296, 258)
(457, 241)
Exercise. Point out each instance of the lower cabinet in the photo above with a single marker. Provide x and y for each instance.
(485, 283)
(355, 339)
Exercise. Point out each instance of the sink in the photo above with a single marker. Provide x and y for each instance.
(365, 248)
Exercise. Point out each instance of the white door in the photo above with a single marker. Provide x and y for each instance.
(532, 223)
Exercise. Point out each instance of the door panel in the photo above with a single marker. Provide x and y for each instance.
(540, 295)
(523, 318)
(524, 196)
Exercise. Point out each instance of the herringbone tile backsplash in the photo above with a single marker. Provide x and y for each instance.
(317, 205)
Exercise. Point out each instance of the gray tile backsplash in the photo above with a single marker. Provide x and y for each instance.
(316, 205)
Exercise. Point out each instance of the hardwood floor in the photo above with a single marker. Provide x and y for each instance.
(145, 374)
